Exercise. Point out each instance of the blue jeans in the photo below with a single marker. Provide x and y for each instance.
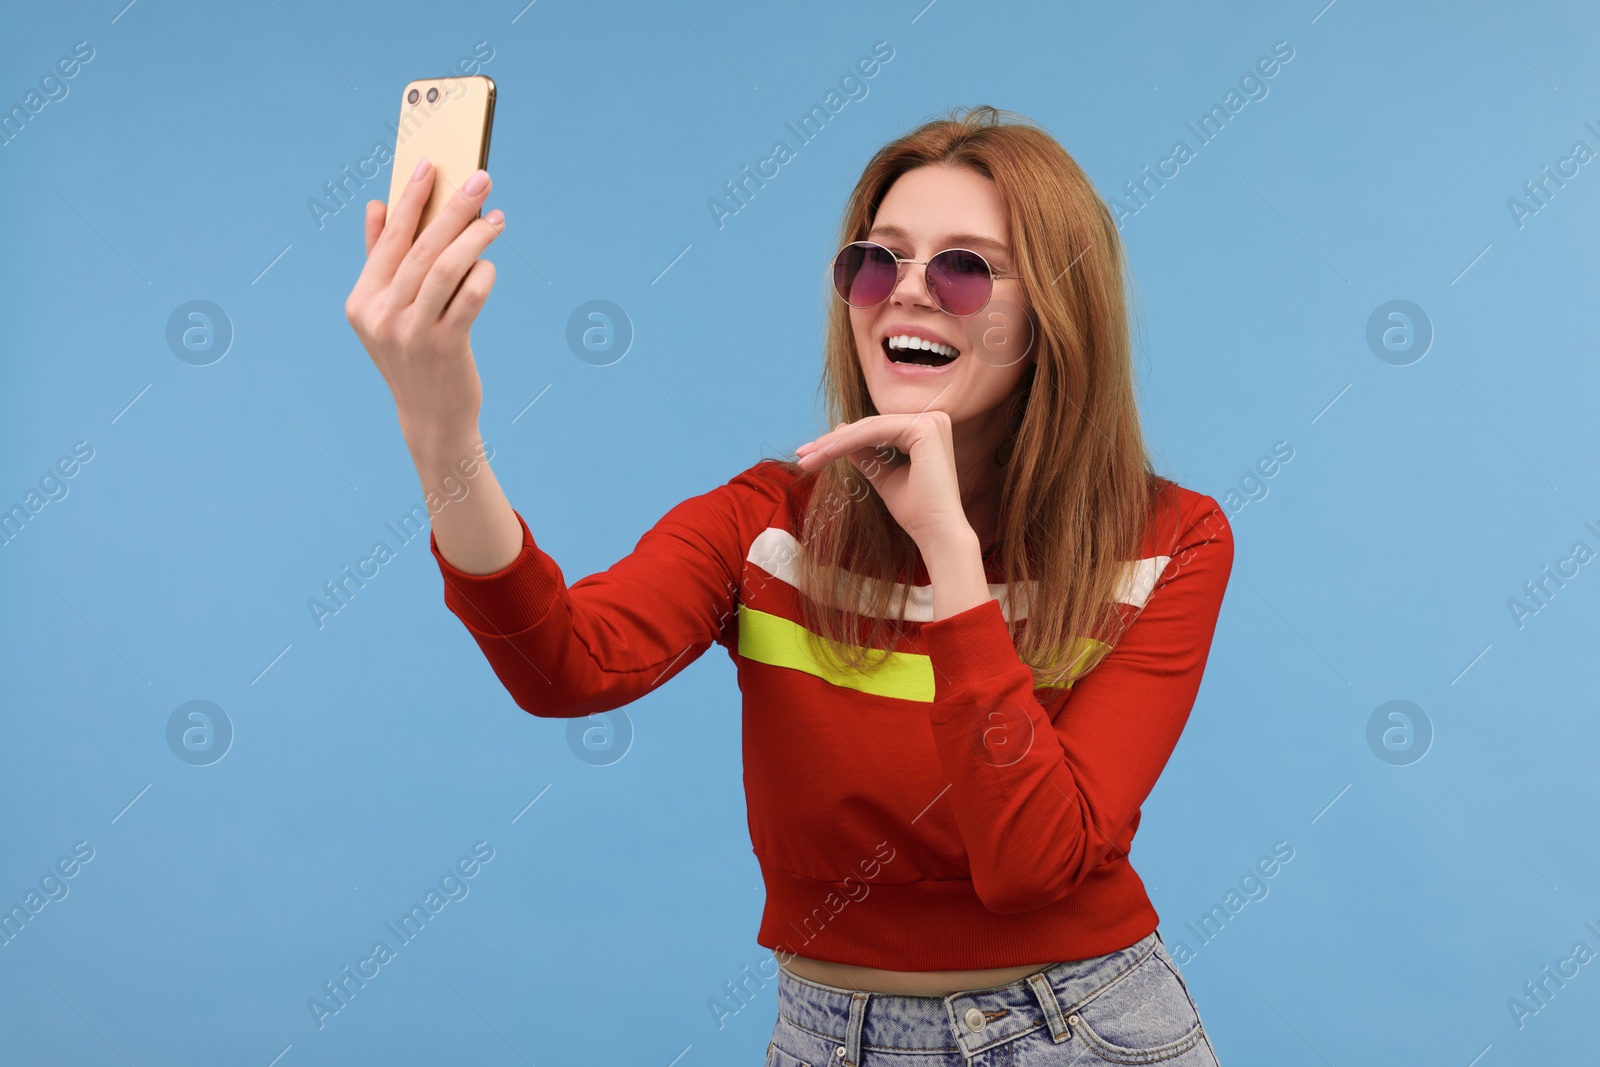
(1127, 1007)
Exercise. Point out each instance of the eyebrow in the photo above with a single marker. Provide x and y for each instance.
(957, 240)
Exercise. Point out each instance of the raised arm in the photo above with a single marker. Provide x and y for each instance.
(413, 307)
(560, 651)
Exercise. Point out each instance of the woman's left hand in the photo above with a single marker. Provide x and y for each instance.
(923, 494)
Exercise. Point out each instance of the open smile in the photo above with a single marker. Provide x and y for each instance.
(913, 355)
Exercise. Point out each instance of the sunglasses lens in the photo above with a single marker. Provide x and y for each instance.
(864, 274)
(960, 281)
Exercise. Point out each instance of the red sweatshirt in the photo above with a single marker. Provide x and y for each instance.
(939, 815)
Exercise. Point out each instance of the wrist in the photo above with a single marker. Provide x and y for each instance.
(951, 543)
(956, 572)
(953, 558)
(434, 449)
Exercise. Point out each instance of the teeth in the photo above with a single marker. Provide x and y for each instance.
(907, 341)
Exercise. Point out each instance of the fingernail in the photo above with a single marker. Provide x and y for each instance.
(422, 168)
(495, 217)
(477, 183)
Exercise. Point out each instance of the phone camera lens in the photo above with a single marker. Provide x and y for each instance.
(433, 94)
(411, 97)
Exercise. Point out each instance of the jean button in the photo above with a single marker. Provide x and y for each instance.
(839, 1052)
(975, 1020)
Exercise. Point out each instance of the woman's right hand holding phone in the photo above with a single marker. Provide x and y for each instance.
(412, 307)
(410, 314)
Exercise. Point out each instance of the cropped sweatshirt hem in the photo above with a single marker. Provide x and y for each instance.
(866, 923)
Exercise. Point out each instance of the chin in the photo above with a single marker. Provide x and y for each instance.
(910, 398)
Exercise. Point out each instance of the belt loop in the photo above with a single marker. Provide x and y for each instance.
(1052, 1010)
(852, 1032)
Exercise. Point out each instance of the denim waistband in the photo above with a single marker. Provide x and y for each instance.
(975, 1019)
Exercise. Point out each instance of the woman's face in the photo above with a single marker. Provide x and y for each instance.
(926, 211)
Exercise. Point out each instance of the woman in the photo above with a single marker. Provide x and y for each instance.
(969, 621)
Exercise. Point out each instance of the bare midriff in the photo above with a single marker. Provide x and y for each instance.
(904, 983)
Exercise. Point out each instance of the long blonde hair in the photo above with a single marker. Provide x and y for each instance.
(1078, 487)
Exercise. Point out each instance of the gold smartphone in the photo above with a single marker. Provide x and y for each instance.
(447, 120)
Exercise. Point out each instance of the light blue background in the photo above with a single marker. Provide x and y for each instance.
(376, 750)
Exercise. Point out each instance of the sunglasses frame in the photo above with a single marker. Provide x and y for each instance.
(900, 265)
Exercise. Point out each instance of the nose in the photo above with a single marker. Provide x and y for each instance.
(913, 282)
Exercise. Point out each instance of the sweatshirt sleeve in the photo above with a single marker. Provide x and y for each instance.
(1039, 803)
(607, 639)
